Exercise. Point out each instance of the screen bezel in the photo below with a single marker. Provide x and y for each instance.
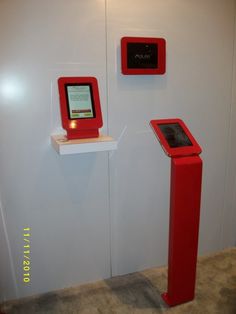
(194, 149)
(91, 96)
(161, 56)
(79, 123)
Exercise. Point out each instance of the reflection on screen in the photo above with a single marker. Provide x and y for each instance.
(175, 135)
(142, 56)
(79, 101)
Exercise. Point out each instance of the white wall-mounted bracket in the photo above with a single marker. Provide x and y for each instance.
(66, 147)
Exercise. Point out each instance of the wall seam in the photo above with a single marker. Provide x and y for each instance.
(227, 168)
(108, 131)
(233, 102)
(13, 273)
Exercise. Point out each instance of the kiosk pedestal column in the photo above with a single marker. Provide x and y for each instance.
(186, 178)
(185, 197)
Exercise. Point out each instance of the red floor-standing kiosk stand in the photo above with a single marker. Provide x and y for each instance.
(185, 196)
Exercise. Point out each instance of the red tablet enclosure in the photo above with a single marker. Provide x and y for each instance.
(80, 128)
(161, 58)
(195, 149)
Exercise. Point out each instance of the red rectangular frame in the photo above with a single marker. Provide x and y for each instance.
(195, 149)
(80, 128)
(161, 58)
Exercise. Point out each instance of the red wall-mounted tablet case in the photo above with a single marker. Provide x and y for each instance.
(161, 56)
(80, 128)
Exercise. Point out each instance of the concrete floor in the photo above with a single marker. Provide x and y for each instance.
(140, 293)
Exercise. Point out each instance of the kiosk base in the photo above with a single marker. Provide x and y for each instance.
(172, 302)
(79, 134)
(186, 177)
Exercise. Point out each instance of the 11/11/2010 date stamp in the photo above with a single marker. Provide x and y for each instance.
(26, 259)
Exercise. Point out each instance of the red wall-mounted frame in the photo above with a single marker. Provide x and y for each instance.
(86, 127)
(160, 67)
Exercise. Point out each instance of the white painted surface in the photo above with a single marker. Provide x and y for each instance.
(196, 88)
(233, 140)
(7, 272)
(67, 147)
(228, 231)
(65, 201)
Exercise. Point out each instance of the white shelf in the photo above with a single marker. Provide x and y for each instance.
(78, 146)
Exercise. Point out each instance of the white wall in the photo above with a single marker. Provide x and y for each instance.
(63, 199)
(196, 88)
(68, 200)
(7, 272)
(233, 136)
(228, 231)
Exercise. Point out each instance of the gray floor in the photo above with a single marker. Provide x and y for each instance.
(140, 293)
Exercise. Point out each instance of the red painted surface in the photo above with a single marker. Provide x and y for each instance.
(185, 197)
(161, 56)
(80, 128)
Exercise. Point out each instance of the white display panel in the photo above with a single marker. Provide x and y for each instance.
(80, 101)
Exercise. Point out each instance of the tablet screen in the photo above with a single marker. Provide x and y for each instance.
(80, 101)
(142, 55)
(175, 135)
